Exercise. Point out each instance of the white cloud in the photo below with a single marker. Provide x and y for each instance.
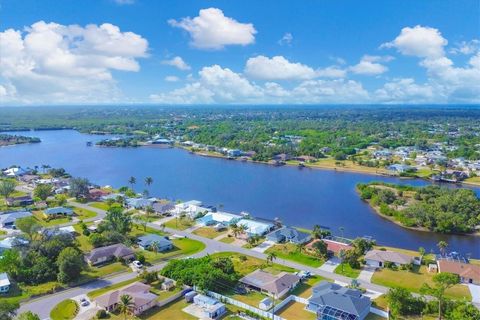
(50, 62)
(213, 30)
(172, 78)
(405, 90)
(177, 62)
(419, 41)
(277, 68)
(466, 47)
(331, 72)
(369, 65)
(286, 39)
(222, 85)
(455, 84)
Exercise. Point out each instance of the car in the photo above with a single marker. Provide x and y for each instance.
(83, 299)
(84, 303)
(137, 264)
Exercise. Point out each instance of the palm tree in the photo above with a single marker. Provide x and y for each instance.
(154, 246)
(148, 181)
(149, 211)
(132, 180)
(317, 231)
(125, 305)
(300, 247)
(341, 230)
(442, 245)
(271, 256)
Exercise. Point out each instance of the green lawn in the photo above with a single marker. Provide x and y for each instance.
(52, 222)
(171, 311)
(208, 232)
(347, 271)
(227, 240)
(182, 246)
(289, 251)
(179, 224)
(65, 310)
(248, 264)
(413, 281)
(21, 292)
(295, 310)
(102, 271)
(83, 214)
(252, 298)
(304, 289)
(99, 205)
(98, 292)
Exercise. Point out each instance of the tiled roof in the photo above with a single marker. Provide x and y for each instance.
(390, 256)
(464, 270)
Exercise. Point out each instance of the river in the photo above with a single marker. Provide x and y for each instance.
(299, 197)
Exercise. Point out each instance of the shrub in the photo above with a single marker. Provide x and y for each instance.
(101, 314)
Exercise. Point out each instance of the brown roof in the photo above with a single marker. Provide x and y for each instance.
(116, 250)
(139, 292)
(390, 256)
(464, 270)
(274, 284)
(333, 246)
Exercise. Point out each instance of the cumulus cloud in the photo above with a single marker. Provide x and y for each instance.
(277, 68)
(213, 30)
(172, 78)
(178, 63)
(370, 66)
(466, 47)
(286, 39)
(50, 62)
(222, 85)
(455, 84)
(405, 90)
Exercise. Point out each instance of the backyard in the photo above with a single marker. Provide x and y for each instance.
(208, 232)
(290, 252)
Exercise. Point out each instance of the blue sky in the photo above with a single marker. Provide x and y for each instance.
(239, 52)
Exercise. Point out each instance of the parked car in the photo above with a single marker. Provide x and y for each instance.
(137, 264)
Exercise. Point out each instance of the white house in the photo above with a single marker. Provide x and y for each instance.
(225, 218)
(4, 283)
(377, 258)
(255, 227)
(191, 208)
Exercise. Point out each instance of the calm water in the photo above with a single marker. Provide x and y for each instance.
(300, 197)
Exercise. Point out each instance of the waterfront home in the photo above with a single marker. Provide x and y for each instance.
(191, 208)
(16, 172)
(142, 298)
(97, 194)
(282, 157)
(234, 153)
(400, 168)
(225, 218)
(305, 159)
(139, 203)
(333, 247)
(57, 211)
(383, 154)
(4, 283)
(255, 228)
(19, 201)
(468, 273)
(288, 234)
(28, 179)
(113, 196)
(276, 286)
(378, 258)
(7, 219)
(148, 241)
(210, 308)
(163, 207)
(108, 253)
(332, 301)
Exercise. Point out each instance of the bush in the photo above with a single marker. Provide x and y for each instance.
(140, 257)
(101, 314)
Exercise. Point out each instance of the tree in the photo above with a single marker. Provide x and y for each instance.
(79, 188)
(148, 182)
(7, 187)
(442, 281)
(132, 180)
(43, 191)
(28, 315)
(271, 256)
(61, 199)
(125, 305)
(464, 310)
(70, 264)
(300, 247)
(149, 211)
(10, 262)
(442, 245)
(155, 246)
(401, 302)
(118, 220)
(317, 232)
(320, 248)
(421, 251)
(8, 310)
(29, 226)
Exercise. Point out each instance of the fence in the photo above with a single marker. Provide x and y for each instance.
(379, 312)
(172, 298)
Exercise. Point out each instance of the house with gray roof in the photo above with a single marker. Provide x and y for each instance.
(274, 285)
(163, 243)
(288, 234)
(163, 207)
(139, 203)
(377, 258)
(108, 253)
(332, 301)
(7, 219)
(58, 211)
(142, 298)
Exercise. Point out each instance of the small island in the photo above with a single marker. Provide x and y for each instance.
(8, 139)
(430, 208)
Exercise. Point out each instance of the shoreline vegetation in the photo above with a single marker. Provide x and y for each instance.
(427, 209)
(10, 140)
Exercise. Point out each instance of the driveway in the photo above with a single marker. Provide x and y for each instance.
(366, 274)
(475, 292)
(330, 264)
(263, 246)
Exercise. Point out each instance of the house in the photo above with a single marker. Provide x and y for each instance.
(162, 243)
(4, 283)
(189, 296)
(213, 218)
(163, 207)
(108, 253)
(333, 247)
(377, 258)
(234, 153)
(21, 201)
(282, 157)
(142, 298)
(288, 234)
(16, 172)
(400, 168)
(97, 194)
(210, 307)
(7, 220)
(305, 159)
(68, 230)
(332, 301)
(468, 273)
(274, 285)
(191, 208)
(10, 242)
(255, 228)
(265, 304)
(139, 203)
(58, 211)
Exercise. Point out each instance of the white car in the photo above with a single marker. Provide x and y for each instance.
(137, 264)
(85, 303)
